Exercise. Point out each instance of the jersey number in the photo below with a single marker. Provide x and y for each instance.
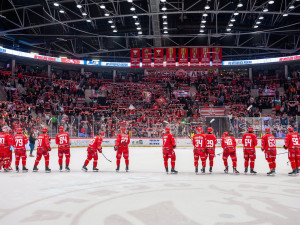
(272, 143)
(248, 142)
(19, 142)
(210, 143)
(63, 140)
(228, 142)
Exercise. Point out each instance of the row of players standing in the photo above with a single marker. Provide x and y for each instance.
(204, 147)
(205, 144)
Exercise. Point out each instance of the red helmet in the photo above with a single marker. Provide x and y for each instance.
(61, 128)
(102, 133)
(250, 129)
(267, 130)
(226, 134)
(123, 129)
(199, 130)
(210, 129)
(19, 130)
(291, 129)
(167, 129)
(45, 129)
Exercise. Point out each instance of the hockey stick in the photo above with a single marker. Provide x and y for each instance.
(105, 157)
(282, 153)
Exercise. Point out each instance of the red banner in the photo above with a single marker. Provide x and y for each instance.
(146, 57)
(71, 61)
(135, 58)
(194, 57)
(158, 57)
(217, 56)
(183, 58)
(205, 57)
(171, 57)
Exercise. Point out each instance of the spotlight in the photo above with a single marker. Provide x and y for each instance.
(261, 17)
(201, 31)
(271, 2)
(106, 14)
(236, 13)
(285, 14)
(134, 16)
(240, 4)
(110, 21)
(258, 22)
(228, 29)
(165, 28)
(164, 8)
(140, 32)
(291, 7)
(255, 26)
(132, 8)
(265, 10)
(163, 0)
(56, 4)
(79, 6)
(62, 11)
(206, 6)
(129, 1)
(164, 17)
(231, 25)
(115, 31)
(205, 14)
(232, 20)
(138, 28)
(137, 23)
(84, 13)
(88, 20)
(203, 21)
(165, 32)
(113, 26)
(165, 22)
(102, 6)
(202, 26)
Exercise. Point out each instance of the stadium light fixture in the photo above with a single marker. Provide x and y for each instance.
(285, 14)
(138, 28)
(231, 25)
(164, 8)
(240, 4)
(115, 30)
(110, 21)
(255, 26)
(232, 20)
(236, 13)
(201, 31)
(102, 6)
(62, 11)
(134, 17)
(84, 13)
(271, 2)
(205, 14)
(132, 8)
(56, 4)
(106, 14)
(228, 29)
(258, 22)
(164, 16)
(137, 23)
(265, 10)
(113, 26)
(291, 7)
(165, 32)
(88, 20)
(165, 28)
(140, 32)
(163, 0)
(79, 6)
(202, 26)
(261, 17)
(129, 1)
(206, 6)
(203, 21)
(165, 22)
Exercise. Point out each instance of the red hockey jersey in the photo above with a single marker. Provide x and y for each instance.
(44, 142)
(19, 141)
(228, 143)
(5, 141)
(199, 141)
(249, 141)
(268, 142)
(169, 141)
(122, 141)
(62, 139)
(211, 141)
(292, 141)
(95, 144)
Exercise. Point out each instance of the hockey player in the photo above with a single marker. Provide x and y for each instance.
(19, 142)
(43, 149)
(228, 144)
(121, 147)
(199, 142)
(63, 141)
(249, 142)
(268, 145)
(292, 144)
(5, 143)
(92, 152)
(169, 145)
(210, 146)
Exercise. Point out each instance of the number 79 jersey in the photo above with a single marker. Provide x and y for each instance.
(62, 139)
(19, 141)
(268, 142)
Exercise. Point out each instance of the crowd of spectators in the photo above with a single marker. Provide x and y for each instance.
(144, 104)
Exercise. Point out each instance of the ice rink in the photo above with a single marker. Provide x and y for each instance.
(147, 195)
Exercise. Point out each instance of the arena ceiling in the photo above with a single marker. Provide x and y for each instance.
(107, 29)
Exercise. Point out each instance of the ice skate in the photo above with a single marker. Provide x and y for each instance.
(293, 173)
(196, 169)
(47, 169)
(235, 171)
(246, 170)
(173, 171)
(35, 169)
(167, 170)
(67, 168)
(226, 169)
(127, 168)
(252, 171)
(17, 169)
(24, 169)
(203, 170)
(84, 168)
(210, 169)
(95, 169)
(60, 168)
(271, 173)
(118, 169)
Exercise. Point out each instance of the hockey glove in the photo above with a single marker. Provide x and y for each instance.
(116, 148)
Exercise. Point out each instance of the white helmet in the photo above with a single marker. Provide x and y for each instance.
(5, 129)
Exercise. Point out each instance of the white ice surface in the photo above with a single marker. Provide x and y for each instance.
(148, 196)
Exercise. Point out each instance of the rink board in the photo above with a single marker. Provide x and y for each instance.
(152, 142)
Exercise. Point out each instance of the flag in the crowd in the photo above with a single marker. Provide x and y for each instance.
(194, 57)
(183, 58)
(171, 57)
(205, 57)
(158, 57)
(217, 56)
(135, 58)
(146, 57)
